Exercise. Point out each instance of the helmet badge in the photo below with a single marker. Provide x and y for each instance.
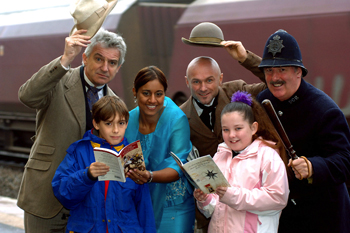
(275, 45)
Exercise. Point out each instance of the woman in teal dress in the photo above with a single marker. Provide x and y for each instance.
(161, 126)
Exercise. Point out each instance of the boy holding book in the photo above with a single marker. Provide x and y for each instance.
(97, 206)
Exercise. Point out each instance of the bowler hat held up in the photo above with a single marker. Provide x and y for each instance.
(205, 34)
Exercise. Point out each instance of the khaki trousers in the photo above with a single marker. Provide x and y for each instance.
(35, 224)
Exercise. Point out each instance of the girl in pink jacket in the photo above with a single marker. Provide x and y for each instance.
(249, 159)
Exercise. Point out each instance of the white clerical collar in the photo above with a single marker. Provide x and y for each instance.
(90, 83)
(206, 105)
(199, 110)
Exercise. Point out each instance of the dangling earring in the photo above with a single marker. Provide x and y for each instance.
(135, 99)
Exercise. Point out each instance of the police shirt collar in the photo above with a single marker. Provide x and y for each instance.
(298, 94)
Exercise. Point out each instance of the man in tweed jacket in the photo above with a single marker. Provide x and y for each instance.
(58, 93)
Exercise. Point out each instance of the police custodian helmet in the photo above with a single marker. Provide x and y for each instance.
(281, 49)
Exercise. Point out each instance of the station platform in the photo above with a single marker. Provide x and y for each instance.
(11, 216)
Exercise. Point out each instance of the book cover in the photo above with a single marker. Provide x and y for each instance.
(130, 157)
(203, 173)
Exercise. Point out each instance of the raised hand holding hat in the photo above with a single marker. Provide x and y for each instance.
(90, 14)
(236, 50)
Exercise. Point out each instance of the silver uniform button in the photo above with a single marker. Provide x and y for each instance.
(280, 113)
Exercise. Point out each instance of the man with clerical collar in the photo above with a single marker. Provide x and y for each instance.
(209, 96)
(206, 111)
(317, 129)
(63, 97)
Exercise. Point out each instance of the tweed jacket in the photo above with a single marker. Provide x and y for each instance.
(58, 97)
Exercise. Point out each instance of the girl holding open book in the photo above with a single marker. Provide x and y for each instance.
(250, 161)
(102, 206)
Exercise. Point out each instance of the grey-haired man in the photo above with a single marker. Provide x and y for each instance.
(62, 97)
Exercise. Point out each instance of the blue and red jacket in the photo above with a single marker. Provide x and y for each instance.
(127, 207)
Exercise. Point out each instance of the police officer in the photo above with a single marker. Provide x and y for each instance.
(319, 133)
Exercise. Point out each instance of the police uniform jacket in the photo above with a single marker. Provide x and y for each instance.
(317, 130)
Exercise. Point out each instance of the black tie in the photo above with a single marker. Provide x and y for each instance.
(205, 116)
(92, 95)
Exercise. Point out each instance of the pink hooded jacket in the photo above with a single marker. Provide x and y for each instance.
(258, 193)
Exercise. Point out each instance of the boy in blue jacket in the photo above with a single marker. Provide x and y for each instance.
(102, 206)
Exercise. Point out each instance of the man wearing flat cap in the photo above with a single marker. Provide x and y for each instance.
(63, 97)
(318, 131)
(209, 95)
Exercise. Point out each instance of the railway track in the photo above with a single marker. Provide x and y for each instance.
(12, 159)
(11, 172)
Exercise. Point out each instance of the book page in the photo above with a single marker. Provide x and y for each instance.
(178, 161)
(109, 157)
(206, 174)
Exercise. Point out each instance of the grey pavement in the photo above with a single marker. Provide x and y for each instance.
(10, 229)
(11, 216)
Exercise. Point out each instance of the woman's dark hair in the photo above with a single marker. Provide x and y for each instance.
(147, 74)
(266, 130)
(108, 107)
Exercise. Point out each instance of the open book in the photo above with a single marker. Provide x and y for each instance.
(203, 173)
(130, 157)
